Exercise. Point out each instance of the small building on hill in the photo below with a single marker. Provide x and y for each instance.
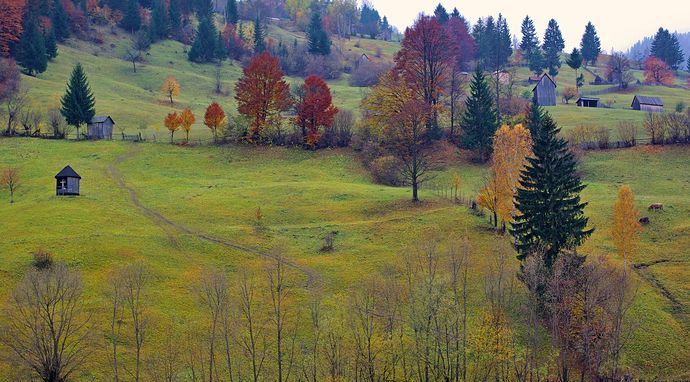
(587, 102)
(67, 182)
(545, 91)
(100, 127)
(533, 79)
(504, 78)
(648, 104)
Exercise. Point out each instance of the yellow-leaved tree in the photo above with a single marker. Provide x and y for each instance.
(171, 88)
(626, 224)
(511, 147)
(187, 119)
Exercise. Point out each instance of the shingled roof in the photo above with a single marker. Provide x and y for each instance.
(645, 100)
(67, 172)
(101, 119)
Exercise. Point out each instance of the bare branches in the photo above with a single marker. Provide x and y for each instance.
(11, 180)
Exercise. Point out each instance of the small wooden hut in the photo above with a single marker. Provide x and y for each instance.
(545, 91)
(587, 102)
(100, 127)
(648, 104)
(67, 182)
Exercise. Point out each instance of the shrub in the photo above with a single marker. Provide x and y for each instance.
(627, 132)
(368, 73)
(340, 133)
(569, 93)
(676, 126)
(602, 135)
(680, 107)
(327, 67)
(655, 126)
(581, 136)
(43, 259)
(386, 170)
(513, 106)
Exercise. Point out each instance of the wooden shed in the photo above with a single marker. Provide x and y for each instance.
(67, 182)
(587, 102)
(648, 104)
(545, 91)
(100, 127)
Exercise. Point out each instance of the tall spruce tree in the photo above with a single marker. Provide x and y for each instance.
(553, 47)
(204, 48)
(31, 50)
(159, 25)
(441, 14)
(231, 12)
(78, 104)
(530, 46)
(480, 120)
(259, 36)
(590, 44)
(51, 44)
(60, 21)
(550, 216)
(174, 16)
(666, 47)
(574, 60)
(131, 20)
(317, 38)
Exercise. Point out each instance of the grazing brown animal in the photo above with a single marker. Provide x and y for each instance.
(656, 207)
(644, 220)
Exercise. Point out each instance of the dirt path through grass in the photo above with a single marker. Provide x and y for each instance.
(172, 228)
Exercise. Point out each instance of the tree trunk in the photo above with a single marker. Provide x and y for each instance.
(415, 186)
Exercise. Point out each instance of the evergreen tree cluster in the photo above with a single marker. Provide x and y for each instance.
(665, 46)
(38, 44)
(493, 40)
(590, 44)
(369, 20)
(550, 215)
(208, 45)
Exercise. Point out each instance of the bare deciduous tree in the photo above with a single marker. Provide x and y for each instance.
(134, 279)
(216, 300)
(253, 338)
(47, 328)
(11, 180)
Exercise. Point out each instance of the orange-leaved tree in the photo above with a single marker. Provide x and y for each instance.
(187, 119)
(172, 123)
(11, 16)
(214, 118)
(511, 147)
(171, 88)
(656, 71)
(626, 225)
(315, 109)
(262, 93)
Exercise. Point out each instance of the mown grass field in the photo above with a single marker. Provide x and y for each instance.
(200, 192)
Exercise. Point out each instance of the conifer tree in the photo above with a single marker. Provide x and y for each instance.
(317, 38)
(31, 49)
(259, 43)
(480, 120)
(131, 20)
(590, 44)
(574, 60)
(553, 46)
(688, 63)
(174, 16)
(530, 46)
(441, 14)
(51, 45)
(158, 25)
(221, 49)
(231, 12)
(666, 47)
(78, 103)
(204, 47)
(550, 216)
(60, 21)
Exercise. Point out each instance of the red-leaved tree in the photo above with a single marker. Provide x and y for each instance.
(262, 93)
(11, 14)
(425, 60)
(315, 109)
(656, 71)
(214, 118)
(464, 41)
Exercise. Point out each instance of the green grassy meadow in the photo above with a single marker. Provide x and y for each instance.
(181, 210)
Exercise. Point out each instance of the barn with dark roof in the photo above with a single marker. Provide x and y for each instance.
(648, 104)
(67, 182)
(545, 91)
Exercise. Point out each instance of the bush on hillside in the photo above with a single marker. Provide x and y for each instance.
(42, 259)
(367, 73)
(386, 170)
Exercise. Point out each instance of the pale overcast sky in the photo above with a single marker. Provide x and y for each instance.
(619, 23)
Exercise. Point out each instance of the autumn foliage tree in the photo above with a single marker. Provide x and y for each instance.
(626, 225)
(511, 147)
(10, 179)
(425, 60)
(12, 14)
(171, 88)
(214, 118)
(187, 119)
(315, 109)
(172, 123)
(262, 93)
(656, 71)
